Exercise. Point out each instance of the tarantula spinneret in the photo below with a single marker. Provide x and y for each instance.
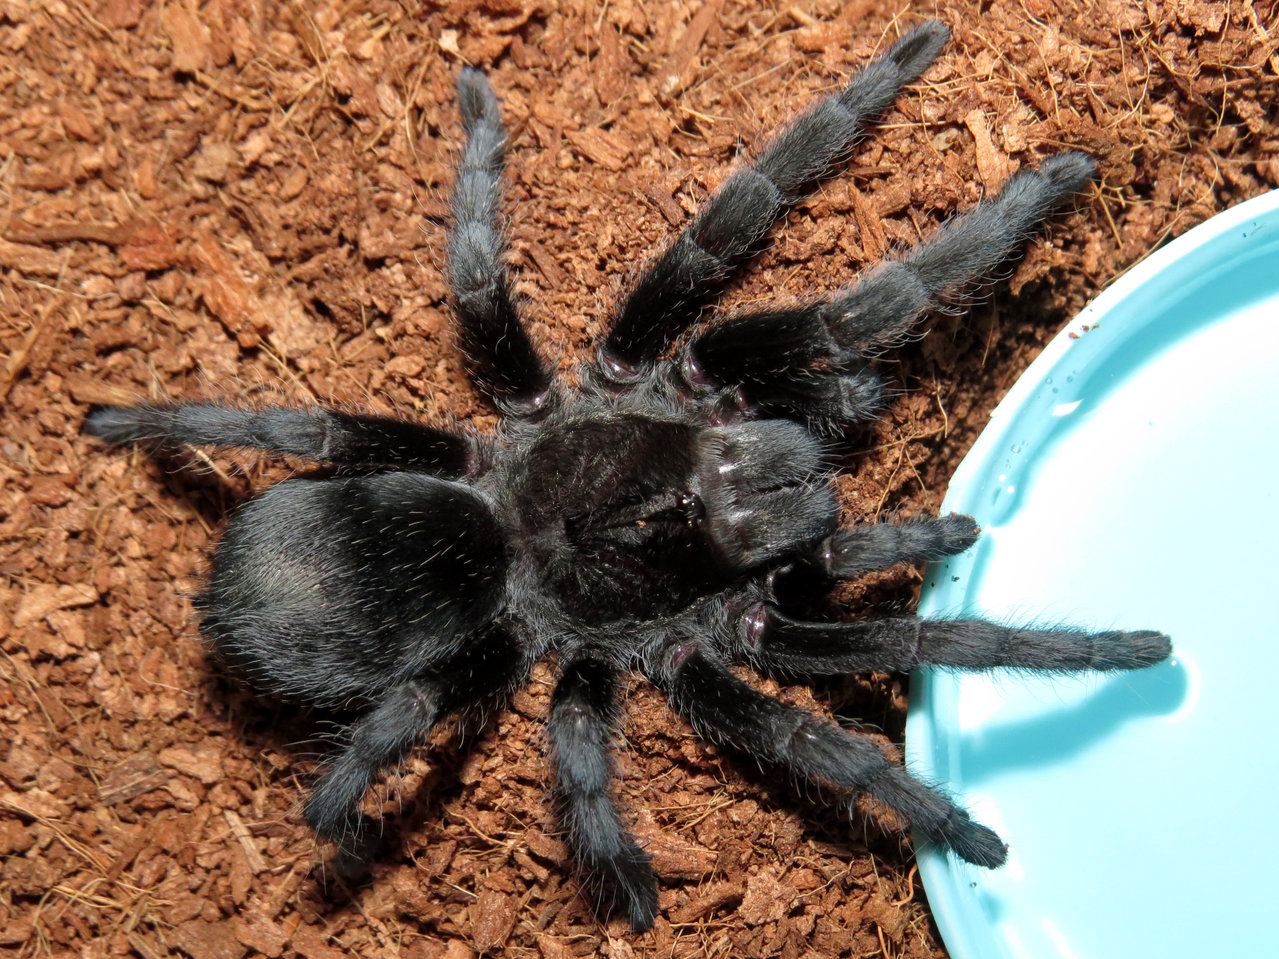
(674, 513)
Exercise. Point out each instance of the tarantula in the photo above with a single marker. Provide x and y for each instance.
(673, 513)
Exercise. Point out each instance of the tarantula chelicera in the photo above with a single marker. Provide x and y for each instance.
(673, 513)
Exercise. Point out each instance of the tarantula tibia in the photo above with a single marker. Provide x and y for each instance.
(674, 513)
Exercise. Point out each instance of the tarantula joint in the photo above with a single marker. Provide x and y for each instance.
(673, 514)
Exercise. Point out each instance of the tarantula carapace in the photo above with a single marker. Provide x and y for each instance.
(673, 513)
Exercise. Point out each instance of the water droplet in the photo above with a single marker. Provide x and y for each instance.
(1016, 448)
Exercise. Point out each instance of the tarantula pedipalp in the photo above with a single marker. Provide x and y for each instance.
(674, 513)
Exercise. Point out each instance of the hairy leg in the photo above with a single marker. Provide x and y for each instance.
(379, 740)
(583, 717)
(478, 677)
(695, 268)
(721, 707)
(501, 355)
(323, 435)
(809, 362)
(778, 642)
(869, 546)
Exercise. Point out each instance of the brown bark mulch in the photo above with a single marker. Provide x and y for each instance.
(246, 198)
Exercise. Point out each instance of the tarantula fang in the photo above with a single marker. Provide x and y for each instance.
(674, 513)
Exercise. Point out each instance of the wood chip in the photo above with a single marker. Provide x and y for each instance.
(39, 601)
(130, 778)
(992, 165)
(189, 36)
(600, 146)
(241, 832)
(492, 919)
(719, 896)
(30, 260)
(682, 64)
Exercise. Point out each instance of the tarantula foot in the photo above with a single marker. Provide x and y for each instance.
(1118, 649)
(937, 818)
(120, 424)
(1072, 170)
(634, 888)
(958, 532)
(972, 842)
(921, 46)
(352, 861)
(356, 849)
(330, 815)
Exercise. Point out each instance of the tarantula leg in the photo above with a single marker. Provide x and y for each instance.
(776, 641)
(326, 436)
(870, 546)
(497, 347)
(476, 678)
(695, 268)
(722, 707)
(583, 715)
(809, 362)
(378, 740)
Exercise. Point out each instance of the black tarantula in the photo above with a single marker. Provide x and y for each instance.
(673, 514)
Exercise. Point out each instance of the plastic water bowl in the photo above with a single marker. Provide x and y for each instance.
(1127, 481)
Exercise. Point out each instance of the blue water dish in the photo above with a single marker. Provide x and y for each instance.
(1127, 481)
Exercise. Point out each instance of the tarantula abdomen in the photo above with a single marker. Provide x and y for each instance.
(326, 590)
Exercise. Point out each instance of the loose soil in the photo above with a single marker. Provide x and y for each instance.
(246, 198)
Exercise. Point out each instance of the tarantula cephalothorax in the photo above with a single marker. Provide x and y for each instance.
(673, 514)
